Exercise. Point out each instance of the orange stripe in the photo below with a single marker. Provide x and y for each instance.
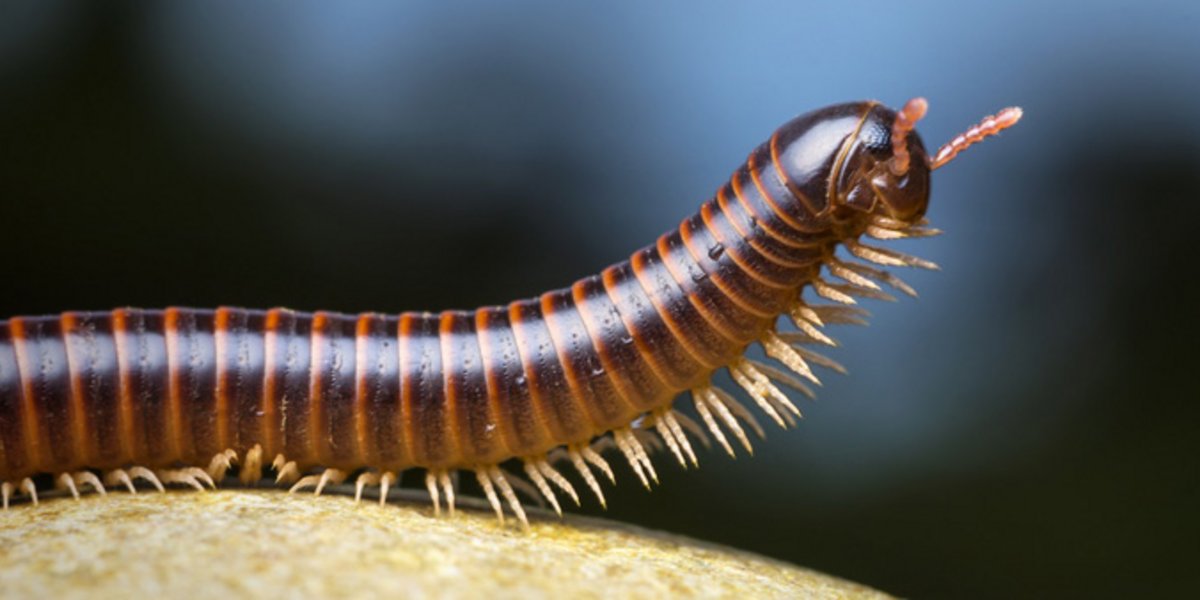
(729, 290)
(127, 437)
(773, 146)
(174, 430)
(640, 266)
(751, 170)
(362, 331)
(531, 376)
(762, 222)
(449, 392)
(608, 278)
(271, 429)
(221, 341)
(715, 276)
(664, 250)
(82, 441)
(406, 400)
(507, 437)
(33, 437)
(318, 432)
(577, 393)
(579, 299)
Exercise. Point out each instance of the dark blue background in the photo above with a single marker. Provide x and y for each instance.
(1028, 425)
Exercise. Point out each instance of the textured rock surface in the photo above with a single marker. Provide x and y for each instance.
(239, 543)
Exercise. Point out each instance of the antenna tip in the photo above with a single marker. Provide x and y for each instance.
(1009, 116)
(915, 109)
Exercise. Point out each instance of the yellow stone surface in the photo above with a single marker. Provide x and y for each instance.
(265, 543)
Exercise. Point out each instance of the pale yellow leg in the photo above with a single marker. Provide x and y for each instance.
(88, 478)
(385, 481)
(365, 479)
(29, 489)
(506, 490)
(318, 482)
(192, 476)
(485, 482)
(120, 477)
(148, 475)
(536, 477)
(251, 472)
(221, 463)
(447, 490)
(64, 482)
(431, 485)
(586, 474)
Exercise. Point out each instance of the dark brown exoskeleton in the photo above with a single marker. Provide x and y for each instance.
(183, 395)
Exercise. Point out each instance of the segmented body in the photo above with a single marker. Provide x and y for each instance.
(177, 388)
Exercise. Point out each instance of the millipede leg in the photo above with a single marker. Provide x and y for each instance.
(667, 436)
(251, 471)
(30, 490)
(489, 490)
(674, 427)
(221, 463)
(692, 427)
(64, 482)
(710, 400)
(771, 392)
(318, 482)
(117, 477)
(811, 328)
(651, 444)
(88, 478)
(287, 471)
(497, 476)
(886, 257)
(764, 393)
(701, 403)
(779, 350)
(528, 490)
(431, 485)
(782, 377)
(635, 454)
(148, 475)
(598, 461)
(385, 481)
(447, 490)
(557, 479)
(365, 479)
(727, 400)
(586, 473)
(192, 476)
(536, 477)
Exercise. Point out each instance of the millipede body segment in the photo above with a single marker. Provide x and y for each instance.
(184, 395)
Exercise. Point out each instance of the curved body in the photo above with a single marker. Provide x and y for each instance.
(458, 389)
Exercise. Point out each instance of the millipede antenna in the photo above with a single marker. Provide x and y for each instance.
(989, 126)
(906, 120)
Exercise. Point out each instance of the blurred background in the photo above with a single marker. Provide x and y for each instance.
(1029, 426)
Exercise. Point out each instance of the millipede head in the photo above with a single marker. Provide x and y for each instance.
(886, 168)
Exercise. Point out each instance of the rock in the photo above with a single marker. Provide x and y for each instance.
(264, 543)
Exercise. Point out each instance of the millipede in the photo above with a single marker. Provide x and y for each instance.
(510, 394)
